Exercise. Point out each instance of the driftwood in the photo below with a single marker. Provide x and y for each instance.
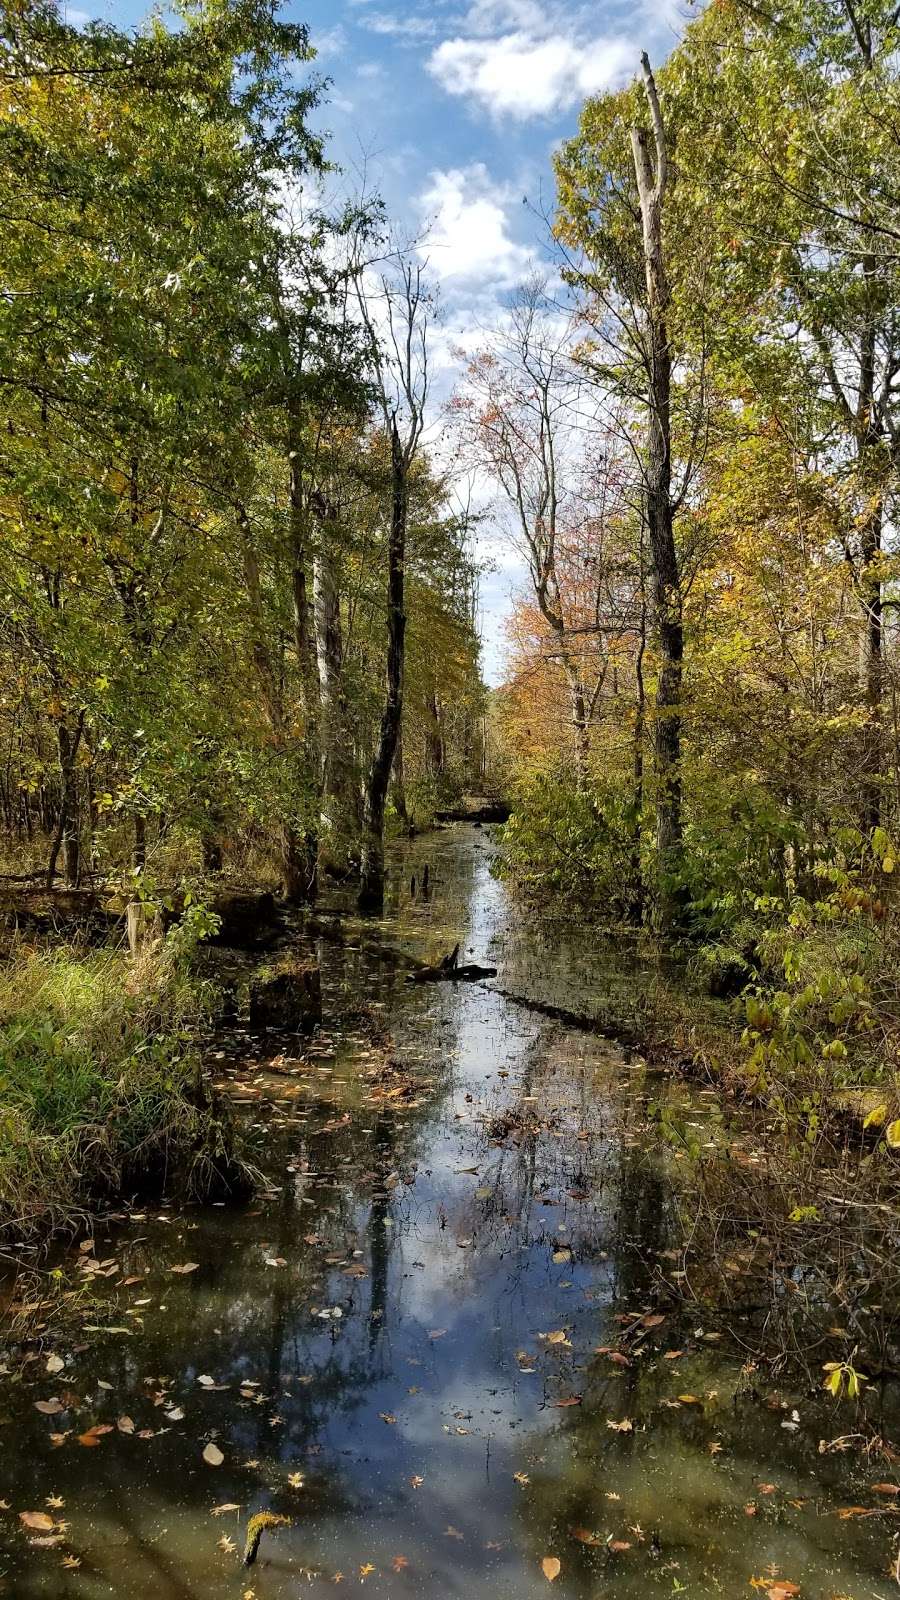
(449, 971)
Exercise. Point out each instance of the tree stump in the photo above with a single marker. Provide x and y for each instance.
(145, 925)
(288, 996)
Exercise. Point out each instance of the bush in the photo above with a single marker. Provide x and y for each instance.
(562, 841)
(101, 1090)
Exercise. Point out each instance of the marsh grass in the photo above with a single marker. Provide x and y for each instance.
(101, 1089)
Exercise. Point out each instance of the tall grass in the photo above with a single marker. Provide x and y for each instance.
(101, 1090)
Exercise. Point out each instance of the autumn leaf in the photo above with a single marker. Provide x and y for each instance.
(189, 1266)
(92, 1436)
(625, 1426)
(49, 1408)
(212, 1455)
(39, 1521)
(399, 1563)
(551, 1568)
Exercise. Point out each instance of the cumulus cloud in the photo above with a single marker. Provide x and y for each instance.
(522, 75)
(468, 228)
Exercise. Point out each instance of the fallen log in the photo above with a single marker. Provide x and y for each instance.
(449, 971)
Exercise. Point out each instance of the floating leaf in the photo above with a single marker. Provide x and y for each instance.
(38, 1520)
(49, 1408)
(54, 1364)
(189, 1266)
(551, 1568)
(212, 1455)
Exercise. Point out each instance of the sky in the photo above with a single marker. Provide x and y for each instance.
(452, 109)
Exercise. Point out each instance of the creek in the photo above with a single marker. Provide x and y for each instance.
(450, 1341)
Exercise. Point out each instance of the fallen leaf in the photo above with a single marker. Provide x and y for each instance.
(551, 1567)
(189, 1266)
(49, 1408)
(54, 1364)
(228, 1505)
(625, 1426)
(584, 1536)
(92, 1436)
(213, 1456)
(125, 1425)
(399, 1562)
(38, 1520)
(618, 1545)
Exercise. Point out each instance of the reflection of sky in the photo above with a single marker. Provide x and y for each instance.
(140, 1509)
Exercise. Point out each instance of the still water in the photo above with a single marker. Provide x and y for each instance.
(448, 1344)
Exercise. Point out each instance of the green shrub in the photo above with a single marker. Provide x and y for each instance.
(101, 1090)
(562, 841)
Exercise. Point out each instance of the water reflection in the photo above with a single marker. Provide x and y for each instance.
(443, 1345)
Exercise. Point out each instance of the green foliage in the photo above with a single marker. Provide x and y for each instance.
(100, 1085)
(573, 844)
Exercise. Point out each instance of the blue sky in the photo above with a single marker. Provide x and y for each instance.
(453, 108)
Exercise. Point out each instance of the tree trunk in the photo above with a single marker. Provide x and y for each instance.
(140, 843)
(870, 586)
(67, 836)
(435, 738)
(371, 893)
(399, 789)
(578, 715)
(667, 598)
(637, 876)
(336, 777)
(303, 644)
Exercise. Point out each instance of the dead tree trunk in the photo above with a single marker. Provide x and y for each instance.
(652, 177)
(371, 892)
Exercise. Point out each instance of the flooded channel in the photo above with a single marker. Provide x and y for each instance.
(446, 1344)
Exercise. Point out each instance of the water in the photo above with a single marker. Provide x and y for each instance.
(446, 1346)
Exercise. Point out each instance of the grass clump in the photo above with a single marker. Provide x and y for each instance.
(101, 1089)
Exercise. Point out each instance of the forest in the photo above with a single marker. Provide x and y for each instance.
(255, 783)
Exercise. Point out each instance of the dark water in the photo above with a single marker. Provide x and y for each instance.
(412, 1339)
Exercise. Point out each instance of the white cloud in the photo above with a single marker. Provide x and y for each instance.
(523, 75)
(331, 42)
(468, 237)
(399, 27)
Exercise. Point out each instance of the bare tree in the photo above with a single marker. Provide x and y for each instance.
(395, 309)
(651, 168)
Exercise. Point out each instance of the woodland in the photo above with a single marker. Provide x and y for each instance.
(357, 1014)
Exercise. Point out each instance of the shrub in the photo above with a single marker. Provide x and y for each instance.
(101, 1089)
(563, 841)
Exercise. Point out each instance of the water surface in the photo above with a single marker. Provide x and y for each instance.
(449, 1344)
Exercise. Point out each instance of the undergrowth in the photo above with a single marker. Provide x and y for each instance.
(101, 1089)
